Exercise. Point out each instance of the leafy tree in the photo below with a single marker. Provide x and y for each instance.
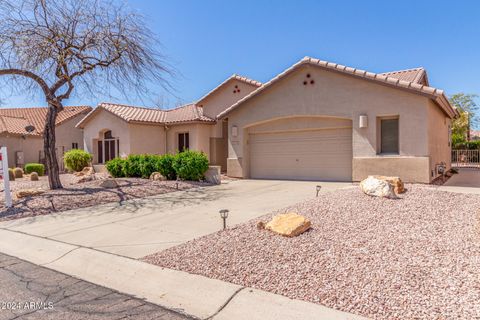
(468, 109)
(58, 46)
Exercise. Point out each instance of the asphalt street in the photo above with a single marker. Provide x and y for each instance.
(29, 291)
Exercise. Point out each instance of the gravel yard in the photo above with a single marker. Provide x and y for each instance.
(80, 195)
(417, 257)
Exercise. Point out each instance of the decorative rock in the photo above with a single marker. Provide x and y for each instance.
(28, 193)
(34, 176)
(260, 225)
(109, 183)
(378, 188)
(157, 176)
(18, 172)
(395, 181)
(213, 175)
(288, 224)
(87, 171)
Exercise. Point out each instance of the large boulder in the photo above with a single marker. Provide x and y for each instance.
(109, 184)
(395, 181)
(378, 188)
(157, 176)
(87, 171)
(288, 224)
(28, 193)
(213, 175)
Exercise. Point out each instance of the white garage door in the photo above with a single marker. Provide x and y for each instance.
(324, 154)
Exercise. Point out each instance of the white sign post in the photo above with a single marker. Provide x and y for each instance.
(5, 176)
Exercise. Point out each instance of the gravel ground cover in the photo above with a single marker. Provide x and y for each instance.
(417, 257)
(80, 195)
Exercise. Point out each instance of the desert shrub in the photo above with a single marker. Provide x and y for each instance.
(11, 174)
(18, 172)
(190, 165)
(116, 167)
(33, 176)
(35, 167)
(165, 166)
(77, 159)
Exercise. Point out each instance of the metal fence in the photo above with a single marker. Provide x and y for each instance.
(466, 158)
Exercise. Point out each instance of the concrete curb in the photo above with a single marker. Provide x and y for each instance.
(195, 295)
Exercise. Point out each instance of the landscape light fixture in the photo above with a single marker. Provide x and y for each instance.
(318, 189)
(224, 216)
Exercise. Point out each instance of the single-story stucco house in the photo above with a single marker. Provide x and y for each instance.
(315, 121)
(25, 146)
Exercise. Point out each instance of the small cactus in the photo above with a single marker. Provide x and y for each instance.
(11, 175)
(18, 173)
(34, 176)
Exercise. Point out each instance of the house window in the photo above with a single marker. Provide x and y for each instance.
(389, 136)
(74, 145)
(183, 141)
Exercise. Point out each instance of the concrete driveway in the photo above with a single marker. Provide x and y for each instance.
(143, 226)
(466, 181)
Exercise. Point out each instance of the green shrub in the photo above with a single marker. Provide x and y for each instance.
(11, 174)
(133, 165)
(149, 163)
(165, 166)
(35, 167)
(76, 159)
(190, 165)
(116, 167)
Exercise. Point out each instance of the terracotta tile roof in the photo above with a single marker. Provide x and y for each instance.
(416, 75)
(14, 120)
(436, 95)
(184, 114)
(134, 114)
(232, 77)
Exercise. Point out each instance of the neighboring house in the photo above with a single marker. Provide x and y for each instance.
(24, 146)
(474, 135)
(314, 121)
(112, 130)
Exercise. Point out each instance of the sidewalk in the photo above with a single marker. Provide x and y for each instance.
(194, 295)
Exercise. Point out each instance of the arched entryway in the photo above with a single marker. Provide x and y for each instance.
(107, 146)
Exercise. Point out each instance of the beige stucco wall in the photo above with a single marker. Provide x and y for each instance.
(224, 97)
(66, 134)
(102, 122)
(147, 139)
(30, 146)
(199, 137)
(438, 138)
(336, 95)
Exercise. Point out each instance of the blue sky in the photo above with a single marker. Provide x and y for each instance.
(207, 41)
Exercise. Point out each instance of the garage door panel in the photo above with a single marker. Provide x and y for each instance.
(306, 155)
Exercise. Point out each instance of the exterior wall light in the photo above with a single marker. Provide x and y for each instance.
(363, 121)
(224, 216)
(234, 131)
(318, 189)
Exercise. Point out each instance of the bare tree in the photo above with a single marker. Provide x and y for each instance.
(59, 46)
